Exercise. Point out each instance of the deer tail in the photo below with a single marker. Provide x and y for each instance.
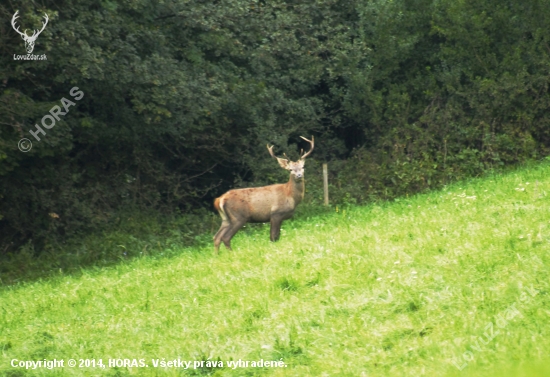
(218, 205)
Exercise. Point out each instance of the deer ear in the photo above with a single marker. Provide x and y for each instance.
(282, 162)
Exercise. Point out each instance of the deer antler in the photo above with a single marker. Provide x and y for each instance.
(270, 149)
(25, 35)
(312, 146)
(43, 26)
(282, 162)
(17, 28)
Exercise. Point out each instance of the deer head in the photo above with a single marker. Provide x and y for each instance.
(29, 40)
(296, 168)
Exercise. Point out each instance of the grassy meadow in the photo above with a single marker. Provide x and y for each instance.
(449, 283)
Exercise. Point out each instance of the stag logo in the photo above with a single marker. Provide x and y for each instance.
(29, 39)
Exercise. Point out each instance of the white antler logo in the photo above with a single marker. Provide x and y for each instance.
(29, 40)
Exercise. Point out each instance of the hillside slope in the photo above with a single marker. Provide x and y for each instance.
(450, 282)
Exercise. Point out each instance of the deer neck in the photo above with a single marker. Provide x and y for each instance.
(296, 188)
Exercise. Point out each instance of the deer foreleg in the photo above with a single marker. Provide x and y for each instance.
(276, 223)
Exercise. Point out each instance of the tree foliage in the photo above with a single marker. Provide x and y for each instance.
(180, 98)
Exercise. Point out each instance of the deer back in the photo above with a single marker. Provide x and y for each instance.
(258, 204)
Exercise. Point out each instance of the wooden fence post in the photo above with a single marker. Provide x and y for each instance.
(325, 182)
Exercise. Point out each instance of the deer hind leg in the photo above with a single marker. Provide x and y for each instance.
(275, 232)
(226, 223)
(230, 232)
(218, 237)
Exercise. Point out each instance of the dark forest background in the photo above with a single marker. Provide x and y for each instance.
(181, 98)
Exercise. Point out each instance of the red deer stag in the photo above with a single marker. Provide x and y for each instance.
(273, 203)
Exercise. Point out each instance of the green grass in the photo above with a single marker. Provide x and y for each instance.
(400, 289)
